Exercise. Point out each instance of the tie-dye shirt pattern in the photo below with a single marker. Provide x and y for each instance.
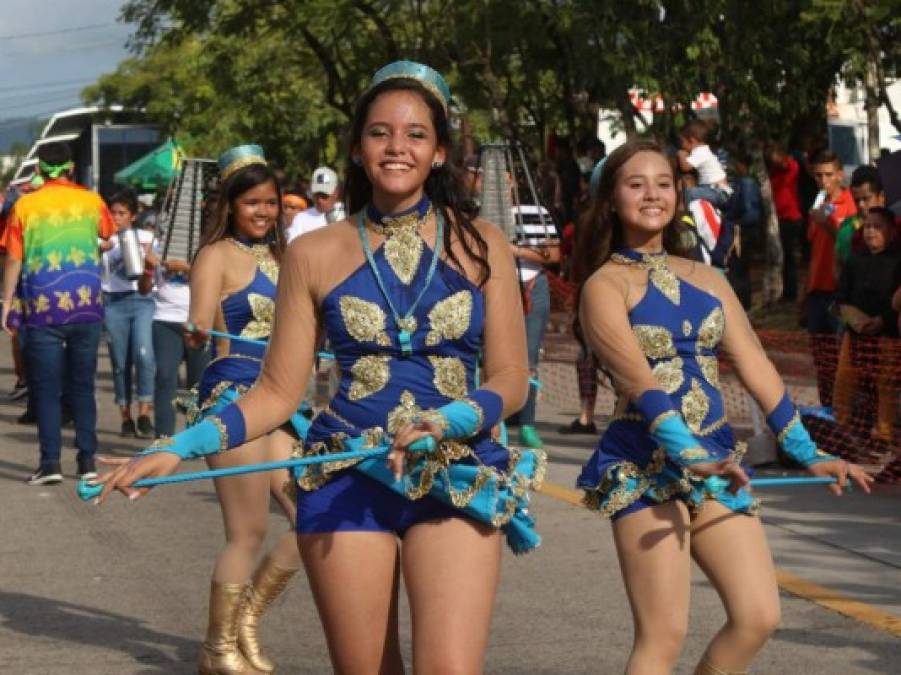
(54, 232)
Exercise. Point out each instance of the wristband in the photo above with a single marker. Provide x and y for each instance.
(667, 427)
(215, 434)
(785, 421)
(467, 417)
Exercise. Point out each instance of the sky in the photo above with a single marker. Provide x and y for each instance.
(42, 74)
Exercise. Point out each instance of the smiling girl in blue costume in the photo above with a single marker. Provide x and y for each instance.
(233, 285)
(657, 323)
(409, 291)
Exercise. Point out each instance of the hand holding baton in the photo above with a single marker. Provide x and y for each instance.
(88, 490)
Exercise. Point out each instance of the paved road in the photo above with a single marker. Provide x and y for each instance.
(122, 589)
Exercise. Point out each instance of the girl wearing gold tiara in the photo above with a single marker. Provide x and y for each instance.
(233, 282)
(409, 292)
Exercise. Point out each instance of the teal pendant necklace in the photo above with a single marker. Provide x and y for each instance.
(406, 324)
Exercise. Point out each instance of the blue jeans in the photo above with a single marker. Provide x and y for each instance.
(128, 320)
(58, 357)
(170, 350)
(715, 195)
(536, 324)
(823, 326)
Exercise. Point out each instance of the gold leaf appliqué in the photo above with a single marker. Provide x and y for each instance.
(450, 376)
(370, 375)
(364, 321)
(656, 342)
(449, 318)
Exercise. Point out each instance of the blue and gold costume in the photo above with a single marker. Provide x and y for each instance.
(396, 369)
(393, 373)
(247, 313)
(638, 461)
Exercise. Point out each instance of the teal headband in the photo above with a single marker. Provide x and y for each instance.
(238, 157)
(428, 77)
(595, 179)
(54, 171)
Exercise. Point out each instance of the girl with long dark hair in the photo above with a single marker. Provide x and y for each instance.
(657, 322)
(409, 291)
(233, 284)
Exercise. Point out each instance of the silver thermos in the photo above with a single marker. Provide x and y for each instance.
(132, 253)
(336, 213)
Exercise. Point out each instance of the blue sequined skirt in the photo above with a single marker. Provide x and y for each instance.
(629, 472)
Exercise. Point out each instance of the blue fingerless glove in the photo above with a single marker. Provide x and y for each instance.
(216, 433)
(785, 422)
(667, 427)
(467, 417)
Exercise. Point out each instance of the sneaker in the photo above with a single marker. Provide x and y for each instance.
(87, 470)
(49, 475)
(576, 427)
(145, 427)
(529, 438)
(19, 391)
(128, 428)
(27, 417)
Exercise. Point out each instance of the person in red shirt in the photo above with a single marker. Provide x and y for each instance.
(783, 172)
(832, 206)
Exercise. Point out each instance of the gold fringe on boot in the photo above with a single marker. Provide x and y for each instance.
(219, 654)
(707, 668)
(268, 582)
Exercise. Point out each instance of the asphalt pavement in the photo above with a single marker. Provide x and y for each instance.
(123, 588)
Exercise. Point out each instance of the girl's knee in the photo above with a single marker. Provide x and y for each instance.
(664, 638)
(757, 623)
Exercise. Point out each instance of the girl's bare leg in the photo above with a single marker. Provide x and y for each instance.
(284, 553)
(245, 512)
(653, 549)
(354, 579)
(732, 550)
(451, 570)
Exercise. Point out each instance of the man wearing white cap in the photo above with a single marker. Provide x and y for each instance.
(324, 187)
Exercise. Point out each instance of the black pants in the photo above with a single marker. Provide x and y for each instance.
(790, 232)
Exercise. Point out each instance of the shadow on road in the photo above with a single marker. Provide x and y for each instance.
(67, 622)
(881, 655)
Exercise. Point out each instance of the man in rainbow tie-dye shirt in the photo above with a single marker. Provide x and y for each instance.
(52, 267)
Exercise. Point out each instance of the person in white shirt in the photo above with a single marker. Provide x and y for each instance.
(168, 280)
(696, 155)
(128, 319)
(324, 187)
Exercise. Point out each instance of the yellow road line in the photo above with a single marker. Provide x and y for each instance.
(573, 497)
(825, 597)
(837, 602)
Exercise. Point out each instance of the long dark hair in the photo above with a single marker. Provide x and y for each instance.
(600, 231)
(221, 225)
(444, 185)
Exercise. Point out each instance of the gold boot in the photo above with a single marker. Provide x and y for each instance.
(707, 668)
(268, 582)
(219, 654)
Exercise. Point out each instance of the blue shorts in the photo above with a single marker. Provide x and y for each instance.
(353, 502)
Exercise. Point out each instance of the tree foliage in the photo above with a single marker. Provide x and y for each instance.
(286, 73)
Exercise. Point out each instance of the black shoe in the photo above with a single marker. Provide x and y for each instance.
(128, 428)
(145, 427)
(27, 417)
(576, 427)
(87, 470)
(49, 475)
